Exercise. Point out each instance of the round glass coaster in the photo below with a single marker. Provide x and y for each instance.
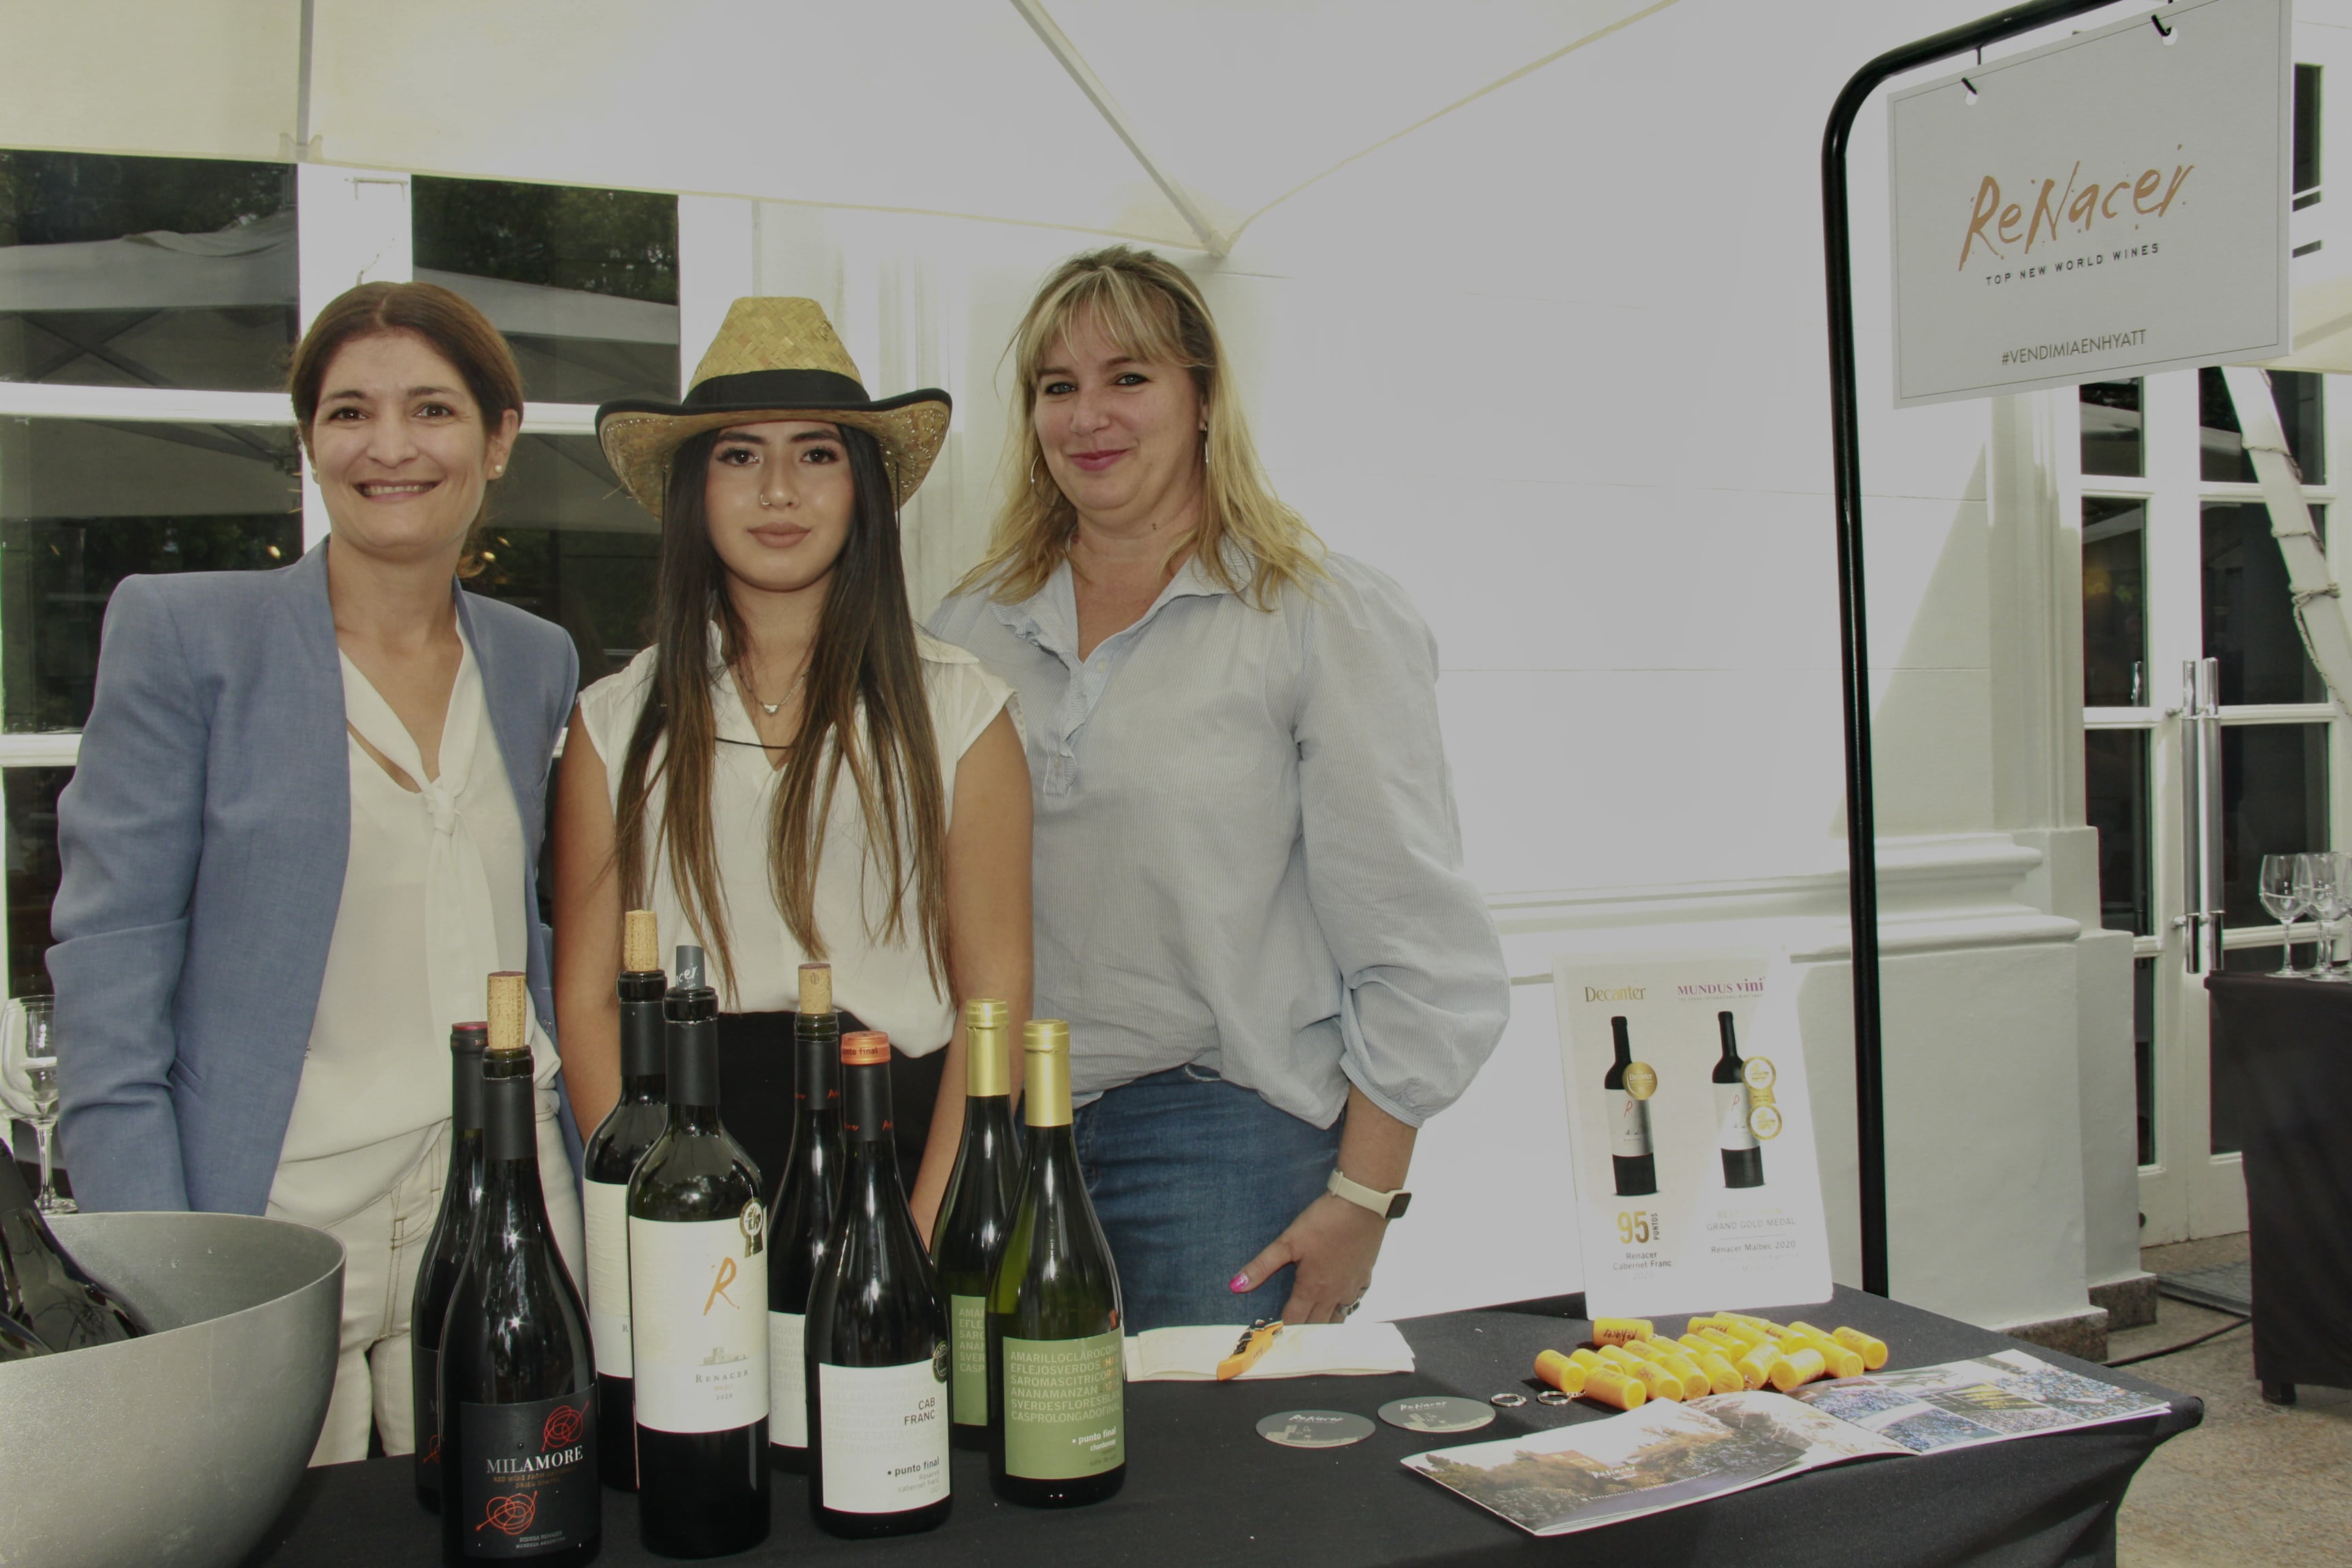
(1314, 1428)
(1438, 1413)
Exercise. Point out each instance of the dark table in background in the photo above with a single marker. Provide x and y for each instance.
(2288, 1044)
(1204, 1489)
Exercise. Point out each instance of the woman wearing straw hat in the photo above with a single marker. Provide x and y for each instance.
(792, 771)
(1250, 905)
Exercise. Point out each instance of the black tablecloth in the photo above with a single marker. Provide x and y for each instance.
(2288, 1044)
(1204, 1489)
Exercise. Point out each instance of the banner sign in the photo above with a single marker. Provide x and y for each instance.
(2104, 207)
(1692, 1133)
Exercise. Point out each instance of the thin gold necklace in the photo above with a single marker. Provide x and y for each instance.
(743, 672)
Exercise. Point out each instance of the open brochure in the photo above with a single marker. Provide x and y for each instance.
(1665, 1455)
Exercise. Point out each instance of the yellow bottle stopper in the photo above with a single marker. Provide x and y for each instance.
(1755, 1368)
(1732, 1346)
(1744, 1319)
(1872, 1349)
(1720, 1373)
(1796, 1368)
(1586, 1359)
(1684, 1367)
(1661, 1383)
(1613, 1385)
(1842, 1362)
(1618, 1330)
(1749, 1338)
(1563, 1373)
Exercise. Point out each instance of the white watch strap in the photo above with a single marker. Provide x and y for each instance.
(1387, 1206)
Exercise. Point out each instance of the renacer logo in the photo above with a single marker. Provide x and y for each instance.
(1614, 994)
(2078, 205)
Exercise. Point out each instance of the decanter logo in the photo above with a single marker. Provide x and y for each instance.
(2079, 207)
(1614, 993)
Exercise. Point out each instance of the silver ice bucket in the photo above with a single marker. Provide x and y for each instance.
(179, 1448)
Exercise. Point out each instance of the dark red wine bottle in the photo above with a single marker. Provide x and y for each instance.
(801, 1210)
(1633, 1160)
(1743, 1157)
(518, 1374)
(50, 1299)
(612, 1156)
(445, 1253)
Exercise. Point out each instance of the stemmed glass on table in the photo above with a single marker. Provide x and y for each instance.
(28, 1075)
(2320, 883)
(2286, 902)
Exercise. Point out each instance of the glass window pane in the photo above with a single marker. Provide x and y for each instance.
(2110, 414)
(30, 799)
(2307, 134)
(2144, 1054)
(2273, 802)
(2223, 452)
(84, 505)
(564, 543)
(146, 271)
(2250, 611)
(582, 282)
(2116, 779)
(2115, 604)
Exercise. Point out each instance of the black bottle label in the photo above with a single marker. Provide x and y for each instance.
(530, 1477)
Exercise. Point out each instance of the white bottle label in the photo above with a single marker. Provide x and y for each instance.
(698, 1309)
(1629, 1125)
(787, 1380)
(1732, 1130)
(604, 1211)
(886, 1436)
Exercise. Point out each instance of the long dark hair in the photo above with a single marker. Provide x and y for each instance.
(863, 667)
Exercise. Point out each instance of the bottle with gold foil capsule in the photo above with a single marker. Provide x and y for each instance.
(620, 1140)
(801, 1208)
(1629, 1084)
(977, 1209)
(877, 1333)
(1057, 1398)
(518, 1373)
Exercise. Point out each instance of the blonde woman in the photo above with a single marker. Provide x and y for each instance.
(1249, 899)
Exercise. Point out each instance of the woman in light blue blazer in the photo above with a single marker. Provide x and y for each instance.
(304, 828)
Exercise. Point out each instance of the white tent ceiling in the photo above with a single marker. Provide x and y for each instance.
(1174, 121)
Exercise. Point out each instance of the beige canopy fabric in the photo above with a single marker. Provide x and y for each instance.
(1175, 123)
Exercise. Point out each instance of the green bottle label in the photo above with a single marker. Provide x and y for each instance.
(968, 1329)
(1065, 1407)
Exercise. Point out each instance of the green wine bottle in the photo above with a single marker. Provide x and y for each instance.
(445, 1254)
(1057, 1389)
(977, 1210)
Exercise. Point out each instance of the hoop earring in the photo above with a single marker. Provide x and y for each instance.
(1032, 473)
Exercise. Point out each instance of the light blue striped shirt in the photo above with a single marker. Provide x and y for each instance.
(1247, 854)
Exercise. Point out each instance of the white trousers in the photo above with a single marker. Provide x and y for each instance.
(384, 1245)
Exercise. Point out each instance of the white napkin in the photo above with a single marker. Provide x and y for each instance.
(1301, 1350)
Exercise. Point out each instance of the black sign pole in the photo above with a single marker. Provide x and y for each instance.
(1861, 820)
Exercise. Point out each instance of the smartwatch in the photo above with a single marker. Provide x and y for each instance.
(1387, 1206)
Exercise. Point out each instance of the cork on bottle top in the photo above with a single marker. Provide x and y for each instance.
(509, 1012)
(640, 942)
(817, 988)
(865, 1048)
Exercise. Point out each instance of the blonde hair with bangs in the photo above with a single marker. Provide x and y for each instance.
(1151, 311)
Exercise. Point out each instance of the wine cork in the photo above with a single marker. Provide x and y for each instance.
(1559, 1372)
(1755, 1368)
(1742, 1319)
(865, 1048)
(1716, 1338)
(1694, 1377)
(1662, 1384)
(1586, 1359)
(1721, 1375)
(1843, 1361)
(1798, 1368)
(1611, 1385)
(1871, 1349)
(640, 942)
(509, 1011)
(1618, 1331)
(817, 988)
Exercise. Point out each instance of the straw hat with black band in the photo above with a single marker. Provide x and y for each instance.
(774, 358)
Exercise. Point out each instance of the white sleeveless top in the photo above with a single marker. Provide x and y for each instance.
(888, 985)
(431, 902)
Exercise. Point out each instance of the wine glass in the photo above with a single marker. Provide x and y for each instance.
(29, 1059)
(2323, 895)
(2279, 897)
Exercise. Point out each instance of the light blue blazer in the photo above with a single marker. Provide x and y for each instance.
(203, 837)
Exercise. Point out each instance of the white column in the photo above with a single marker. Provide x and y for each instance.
(354, 230)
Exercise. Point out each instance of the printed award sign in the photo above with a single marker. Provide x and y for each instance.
(1692, 1133)
(2106, 207)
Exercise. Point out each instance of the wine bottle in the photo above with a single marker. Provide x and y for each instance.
(976, 1210)
(518, 1375)
(445, 1253)
(18, 1342)
(1743, 1160)
(1057, 1392)
(801, 1211)
(620, 1140)
(1636, 1166)
(697, 1305)
(877, 1333)
(41, 1288)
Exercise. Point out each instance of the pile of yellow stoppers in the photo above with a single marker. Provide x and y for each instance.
(1628, 1365)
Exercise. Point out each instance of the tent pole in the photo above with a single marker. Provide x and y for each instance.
(1861, 822)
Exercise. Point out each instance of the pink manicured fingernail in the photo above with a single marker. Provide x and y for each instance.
(1239, 1283)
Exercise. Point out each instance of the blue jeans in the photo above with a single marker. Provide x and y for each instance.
(1192, 1176)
